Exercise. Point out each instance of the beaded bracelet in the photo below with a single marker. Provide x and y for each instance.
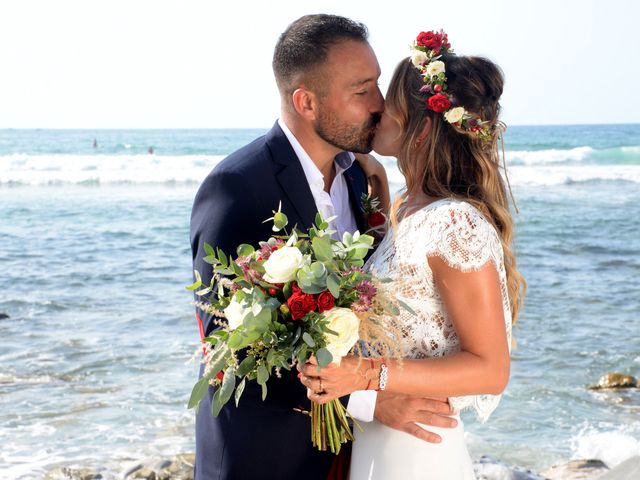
(384, 376)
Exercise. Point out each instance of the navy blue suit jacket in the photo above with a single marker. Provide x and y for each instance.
(269, 439)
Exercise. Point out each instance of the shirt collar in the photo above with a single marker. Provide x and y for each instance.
(343, 160)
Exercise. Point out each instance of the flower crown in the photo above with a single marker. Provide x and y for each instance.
(427, 49)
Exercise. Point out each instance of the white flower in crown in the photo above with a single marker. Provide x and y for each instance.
(434, 68)
(454, 115)
(418, 58)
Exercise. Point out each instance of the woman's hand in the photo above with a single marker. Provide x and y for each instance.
(334, 381)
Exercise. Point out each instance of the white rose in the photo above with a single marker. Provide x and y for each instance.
(282, 265)
(346, 324)
(235, 313)
(434, 68)
(454, 115)
(418, 58)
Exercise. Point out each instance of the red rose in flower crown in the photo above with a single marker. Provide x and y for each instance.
(439, 103)
(325, 301)
(430, 40)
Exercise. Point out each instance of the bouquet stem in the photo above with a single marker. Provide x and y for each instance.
(330, 426)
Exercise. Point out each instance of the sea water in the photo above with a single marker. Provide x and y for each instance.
(94, 256)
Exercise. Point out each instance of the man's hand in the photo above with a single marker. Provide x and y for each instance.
(402, 412)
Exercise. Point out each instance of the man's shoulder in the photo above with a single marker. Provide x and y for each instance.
(247, 159)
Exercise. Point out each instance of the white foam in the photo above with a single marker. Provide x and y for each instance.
(78, 169)
(542, 157)
(568, 174)
(611, 446)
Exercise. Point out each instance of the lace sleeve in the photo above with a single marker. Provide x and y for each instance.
(467, 241)
(464, 238)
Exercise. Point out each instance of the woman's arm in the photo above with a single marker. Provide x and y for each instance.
(377, 179)
(473, 302)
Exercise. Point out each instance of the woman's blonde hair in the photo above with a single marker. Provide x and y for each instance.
(451, 162)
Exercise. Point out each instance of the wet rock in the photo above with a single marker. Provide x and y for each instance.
(68, 473)
(615, 380)
(577, 470)
(144, 473)
(489, 468)
(130, 469)
(181, 468)
(3, 316)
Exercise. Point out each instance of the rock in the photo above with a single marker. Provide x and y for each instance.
(627, 470)
(68, 473)
(128, 470)
(488, 468)
(615, 380)
(181, 468)
(3, 316)
(577, 470)
(144, 474)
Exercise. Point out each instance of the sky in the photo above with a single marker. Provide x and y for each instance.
(207, 64)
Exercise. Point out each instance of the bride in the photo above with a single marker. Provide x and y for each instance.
(448, 253)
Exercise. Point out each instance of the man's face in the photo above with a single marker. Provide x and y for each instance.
(351, 103)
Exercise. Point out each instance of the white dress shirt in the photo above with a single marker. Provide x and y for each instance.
(362, 403)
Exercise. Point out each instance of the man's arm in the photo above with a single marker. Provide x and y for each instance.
(219, 217)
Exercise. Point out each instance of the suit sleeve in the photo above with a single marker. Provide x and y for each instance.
(220, 210)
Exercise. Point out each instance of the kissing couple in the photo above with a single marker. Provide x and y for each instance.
(447, 252)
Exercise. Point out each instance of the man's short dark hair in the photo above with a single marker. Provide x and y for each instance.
(305, 45)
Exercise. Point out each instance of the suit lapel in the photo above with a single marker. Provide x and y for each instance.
(291, 178)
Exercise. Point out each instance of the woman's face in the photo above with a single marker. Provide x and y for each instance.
(388, 135)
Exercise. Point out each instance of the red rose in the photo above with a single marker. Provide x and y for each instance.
(376, 219)
(439, 103)
(431, 40)
(300, 304)
(325, 301)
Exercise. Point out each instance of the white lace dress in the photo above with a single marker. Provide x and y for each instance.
(458, 233)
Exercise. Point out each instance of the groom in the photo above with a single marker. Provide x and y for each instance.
(327, 75)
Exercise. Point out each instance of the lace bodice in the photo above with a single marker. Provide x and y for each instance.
(458, 233)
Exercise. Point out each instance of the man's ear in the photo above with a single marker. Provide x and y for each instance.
(305, 103)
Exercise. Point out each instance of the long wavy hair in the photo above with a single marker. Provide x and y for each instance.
(451, 162)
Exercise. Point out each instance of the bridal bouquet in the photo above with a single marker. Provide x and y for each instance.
(296, 295)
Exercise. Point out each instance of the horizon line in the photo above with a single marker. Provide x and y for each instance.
(266, 128)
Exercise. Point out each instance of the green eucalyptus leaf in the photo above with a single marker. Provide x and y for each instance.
(224, 391)
(199, 390)
(324, 357)
(322, 248)
(406, 307)
(263, 375)
(223, 258)
(248, 364)
(333, 284)
(308, 339)
(197, 284)
(209, 249)
(280, 221)
(245, 250)
(239, 390)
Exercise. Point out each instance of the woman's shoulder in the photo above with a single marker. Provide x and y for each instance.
(458, 213)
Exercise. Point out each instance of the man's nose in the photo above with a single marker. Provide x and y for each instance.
(379, 102)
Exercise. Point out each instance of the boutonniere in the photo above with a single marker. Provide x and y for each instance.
(376, 220)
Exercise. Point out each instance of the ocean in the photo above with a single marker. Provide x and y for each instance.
(98, 331)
